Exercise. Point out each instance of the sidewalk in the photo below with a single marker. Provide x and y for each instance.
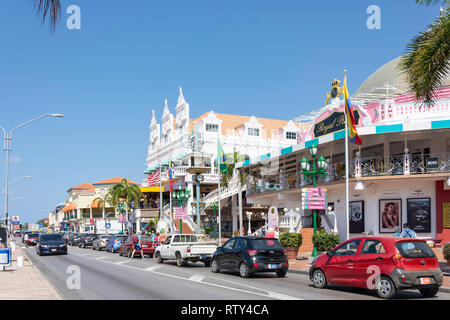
(24, 283)
(301, 265)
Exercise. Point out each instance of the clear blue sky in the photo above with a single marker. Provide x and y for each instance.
(273, 59)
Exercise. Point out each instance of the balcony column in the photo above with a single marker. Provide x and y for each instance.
(234, 213)
(90, 212)
(358, 165)
(387, 153)
(406, 164)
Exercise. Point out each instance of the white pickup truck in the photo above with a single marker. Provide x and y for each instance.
(184, 248)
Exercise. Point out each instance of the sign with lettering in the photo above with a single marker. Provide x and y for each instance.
(179, 213)
(446, 214)
(272, 218)
(432, 163)
(333, 123)
(314, 198)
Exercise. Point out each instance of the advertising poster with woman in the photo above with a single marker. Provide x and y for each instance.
(390, 215)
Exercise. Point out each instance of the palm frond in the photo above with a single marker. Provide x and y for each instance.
(431, 2)
(51, 8)
(426, 63)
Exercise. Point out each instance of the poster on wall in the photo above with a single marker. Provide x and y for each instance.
(419, 214)
(446, 214)
(390, 211)
(356, 216)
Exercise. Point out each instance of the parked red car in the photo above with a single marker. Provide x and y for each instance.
(396, 263)
(127, 246)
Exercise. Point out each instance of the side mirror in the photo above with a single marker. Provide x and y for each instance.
(330, 253)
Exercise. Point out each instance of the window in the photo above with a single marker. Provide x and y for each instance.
(414, 249)
(266, 244)
(253, 132)
(193, 238)
(372, 246)
(212, 127)
(176, 239)
(168, 240)
(348, 248)
(241, 244)
(229, 244)
(291, 135)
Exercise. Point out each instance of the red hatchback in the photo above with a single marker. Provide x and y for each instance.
(385, 264)
(127, 246)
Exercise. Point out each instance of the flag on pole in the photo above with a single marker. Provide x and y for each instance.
(154, 178)
(350, 117)
(221, 161)
(170, 176)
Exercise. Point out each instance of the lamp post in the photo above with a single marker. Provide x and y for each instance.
(249, 216)
(7, 144)
(181, 196)
(263, 215)
(311, 170)
(214, 206)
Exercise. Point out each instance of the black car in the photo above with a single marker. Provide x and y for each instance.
(51, 243)
(86, 240)
(249, 255)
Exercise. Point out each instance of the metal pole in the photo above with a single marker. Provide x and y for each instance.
(347, 231)
(160, 193)
(197, 191)
(314, 253)
(7, 149)
(218, 203)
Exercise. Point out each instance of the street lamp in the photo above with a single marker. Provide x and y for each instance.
(249, 216)
(214, 206)
(320, 170)
(15, 180)
(7, 138)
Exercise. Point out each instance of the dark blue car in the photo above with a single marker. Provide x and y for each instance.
(51, 243)
(114, 243)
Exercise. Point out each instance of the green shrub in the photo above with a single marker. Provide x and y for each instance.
(325, 241)
(290, 240)
(446, 251)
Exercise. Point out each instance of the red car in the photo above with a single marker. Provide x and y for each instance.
(127, 246)
(385, 264)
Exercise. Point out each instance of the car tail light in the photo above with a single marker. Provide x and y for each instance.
(398, 260)
(85, 239)
(255, 265)
(287, 264)
(252, 253)
(188, 250)
(436, 262)
(403, 278)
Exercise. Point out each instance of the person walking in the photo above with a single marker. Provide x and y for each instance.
(156, 240)
(138, 246)
(408, 232)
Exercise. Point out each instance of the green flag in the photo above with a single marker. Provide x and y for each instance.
(221, 162)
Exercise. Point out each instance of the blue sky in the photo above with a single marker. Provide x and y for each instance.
(273, 59)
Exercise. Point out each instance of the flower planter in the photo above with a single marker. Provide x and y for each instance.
(291, 252)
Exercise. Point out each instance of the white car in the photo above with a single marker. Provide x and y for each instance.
(184, 248)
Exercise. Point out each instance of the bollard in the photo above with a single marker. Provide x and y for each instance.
(20, 261)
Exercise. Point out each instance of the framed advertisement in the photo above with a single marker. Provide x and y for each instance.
(419, 214)
(390, 215)
(356, 216)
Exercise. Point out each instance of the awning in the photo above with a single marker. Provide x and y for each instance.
(96, 204)
(69, 207)
(151, 189)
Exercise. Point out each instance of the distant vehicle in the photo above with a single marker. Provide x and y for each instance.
(403, 263)
(100, 242)
(113, 244)
(75, 239)
(249, 255)
(184, 248)
(52, 243)
(25, 234)
(127, 246)
(32, 239)
(17, 233)
(86, 240)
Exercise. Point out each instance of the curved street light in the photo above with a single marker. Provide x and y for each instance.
(7, 143)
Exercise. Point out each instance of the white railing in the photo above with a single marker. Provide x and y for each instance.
(232, 189)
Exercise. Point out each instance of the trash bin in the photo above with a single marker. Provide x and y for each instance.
(20, 261)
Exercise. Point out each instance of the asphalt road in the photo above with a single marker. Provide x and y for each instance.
(104, 275)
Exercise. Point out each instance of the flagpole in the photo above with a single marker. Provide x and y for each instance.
(160, 192)
(219, 177)
(347, 233)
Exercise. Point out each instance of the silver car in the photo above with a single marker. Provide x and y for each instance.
(100, 242)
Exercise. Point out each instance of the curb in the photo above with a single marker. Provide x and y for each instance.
(444, 289)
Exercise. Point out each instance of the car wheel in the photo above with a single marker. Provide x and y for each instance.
(281, 273)
(158, 258)
(244, 271)
(319, 279)
(386, 288)
(429, 292)
(180, 261)
(215, 266)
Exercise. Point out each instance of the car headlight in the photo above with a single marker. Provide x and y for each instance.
(63, 245)
(44, 246)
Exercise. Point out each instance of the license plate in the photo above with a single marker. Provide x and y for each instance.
(425, 280)
(203, 256)
(273, 266)
(144, 246)
(53, 250)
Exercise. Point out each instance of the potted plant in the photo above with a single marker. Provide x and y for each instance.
(446, 251)
(291, 243)
(325, 241)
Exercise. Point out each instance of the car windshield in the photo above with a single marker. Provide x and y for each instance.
(51, 237)
(145, 238)
(266, 244)
(31, 235)
(121, 238)
(414, 249)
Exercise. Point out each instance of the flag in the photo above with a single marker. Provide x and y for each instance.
(154, 178)
(170, 176)
(350, 117)
(221, 161)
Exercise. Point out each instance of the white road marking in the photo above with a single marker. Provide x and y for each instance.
(152, 268)
(101, 258)
(122, 262)
(197, 277)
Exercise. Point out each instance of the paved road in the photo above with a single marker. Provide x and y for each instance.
(108, 276)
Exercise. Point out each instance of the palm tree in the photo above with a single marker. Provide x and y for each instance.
(126, 192)
(426, 63)
(228, 175)
(50, 8)
(103, 202)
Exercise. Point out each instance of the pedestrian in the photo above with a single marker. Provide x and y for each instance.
(277, 233)
(156, 240)
(138, 245)
(408, 232)
(397, 232)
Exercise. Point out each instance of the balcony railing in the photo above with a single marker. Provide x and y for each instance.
(394, 165)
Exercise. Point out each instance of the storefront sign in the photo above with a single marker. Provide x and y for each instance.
(446, 214)
(314, 198)
(333, 123)
(432, 163)
(272, 218)
(179, 213)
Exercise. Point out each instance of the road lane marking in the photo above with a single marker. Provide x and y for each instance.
(152, 268)
(197, 277)
(101, 258)
(122, 262)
